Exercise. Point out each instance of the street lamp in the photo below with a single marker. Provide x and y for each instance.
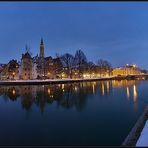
(63, 75)
(48, 75)
(13, 74)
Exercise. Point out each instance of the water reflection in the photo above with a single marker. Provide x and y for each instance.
(103, 89)
(93, 87)
(130, 85)
(127, 92)
(134, 93)
(107, 86)
(135, 98)
(124, 83)
(65, 95)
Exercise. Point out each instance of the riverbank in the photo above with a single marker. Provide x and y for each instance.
(142, 141)
(50, 81)
(136, 136)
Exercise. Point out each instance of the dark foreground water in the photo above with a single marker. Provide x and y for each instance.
(89, 113)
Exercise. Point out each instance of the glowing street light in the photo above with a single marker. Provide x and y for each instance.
(13, 74)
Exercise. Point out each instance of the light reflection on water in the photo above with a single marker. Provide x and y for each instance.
(86, 102)
(127, 91)
(54, 92)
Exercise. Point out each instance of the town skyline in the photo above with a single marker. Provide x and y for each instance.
(28, 49)
(67, 27)
(73, 73)
(63, 66)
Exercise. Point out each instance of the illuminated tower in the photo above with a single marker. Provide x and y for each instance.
(41, 49)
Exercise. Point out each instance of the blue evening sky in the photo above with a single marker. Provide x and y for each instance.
(114, 31)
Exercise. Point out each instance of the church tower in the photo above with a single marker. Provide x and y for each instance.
(41, 49)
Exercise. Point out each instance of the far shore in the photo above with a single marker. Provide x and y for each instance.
(56, 81)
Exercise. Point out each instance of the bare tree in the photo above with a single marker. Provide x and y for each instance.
(91, 67)
(80, 61)
(57, 66)
(103, 66)
(68, 62)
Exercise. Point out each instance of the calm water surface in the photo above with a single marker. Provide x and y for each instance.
(89, 113)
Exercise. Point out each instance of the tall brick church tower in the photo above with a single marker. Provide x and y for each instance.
(41, 49)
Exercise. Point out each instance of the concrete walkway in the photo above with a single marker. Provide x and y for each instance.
(143, 139)
(50, 81)
(139, 133)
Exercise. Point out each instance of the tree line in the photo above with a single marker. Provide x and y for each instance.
(79, 65)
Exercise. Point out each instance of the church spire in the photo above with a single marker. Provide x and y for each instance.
(42, 48)
(42, 41)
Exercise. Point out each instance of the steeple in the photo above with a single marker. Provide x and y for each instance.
(42, 41)
(41, 49)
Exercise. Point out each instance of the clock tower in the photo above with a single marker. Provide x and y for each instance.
(41, 49)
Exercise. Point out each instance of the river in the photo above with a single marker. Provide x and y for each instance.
(87, 113)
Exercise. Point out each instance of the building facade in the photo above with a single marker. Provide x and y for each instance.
(126, 70)
(10, 70)
(26, 67)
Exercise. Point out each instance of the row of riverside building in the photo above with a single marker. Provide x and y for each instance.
(36, 67)
(41, 67)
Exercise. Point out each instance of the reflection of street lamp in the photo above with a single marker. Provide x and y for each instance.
(13, 91)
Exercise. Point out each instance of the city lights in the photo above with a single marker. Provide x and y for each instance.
(73, 74)
(39, 67)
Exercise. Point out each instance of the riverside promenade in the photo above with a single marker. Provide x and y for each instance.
(139, 133)
(51, 81)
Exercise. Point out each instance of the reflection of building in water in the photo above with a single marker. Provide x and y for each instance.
(49, 91)
(76, 88)
(127, 92)
(102, 89)
(135, 97)
(12, 93)
(74, 95)
(134, 93)
(128, 84)
(105, 87)
(63, 87)
(93, 87)
(123, 83)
